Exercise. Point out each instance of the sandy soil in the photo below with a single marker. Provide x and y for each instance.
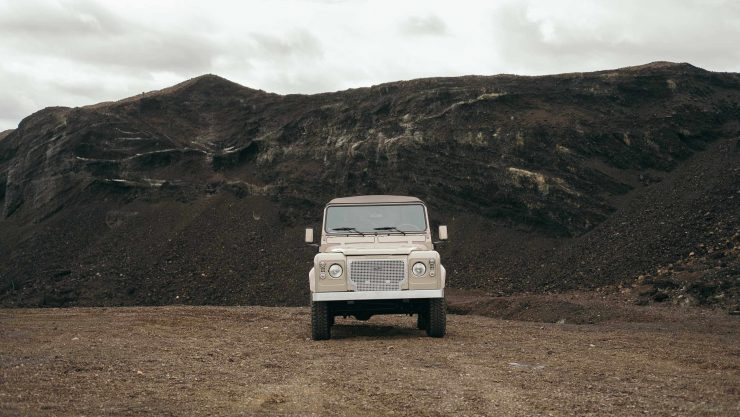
(260, 361)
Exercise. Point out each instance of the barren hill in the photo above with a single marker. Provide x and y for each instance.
(198, 193)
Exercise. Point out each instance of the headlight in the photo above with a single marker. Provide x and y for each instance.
(335, 271)
(419, 269)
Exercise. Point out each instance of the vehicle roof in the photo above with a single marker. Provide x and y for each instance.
(374, 199)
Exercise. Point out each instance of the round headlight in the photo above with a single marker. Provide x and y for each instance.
(419, 269)
(335, 271)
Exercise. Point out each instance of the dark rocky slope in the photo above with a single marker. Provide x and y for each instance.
(198, 193)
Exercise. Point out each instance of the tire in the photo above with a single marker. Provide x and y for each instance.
(437, 318)
(422, 321)
(320, 321)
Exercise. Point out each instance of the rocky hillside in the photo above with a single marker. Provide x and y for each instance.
(198, 193)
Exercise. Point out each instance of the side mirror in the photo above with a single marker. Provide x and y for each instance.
(309, 235)
(442, 232)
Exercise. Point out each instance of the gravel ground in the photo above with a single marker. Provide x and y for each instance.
(259, 361)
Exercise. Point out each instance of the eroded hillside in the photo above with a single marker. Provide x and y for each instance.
(198, 193)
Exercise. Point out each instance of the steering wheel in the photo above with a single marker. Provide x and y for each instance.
(411, 228)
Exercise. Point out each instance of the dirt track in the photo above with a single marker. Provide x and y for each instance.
(259, 361)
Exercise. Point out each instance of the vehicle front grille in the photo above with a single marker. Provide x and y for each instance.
(377, 274)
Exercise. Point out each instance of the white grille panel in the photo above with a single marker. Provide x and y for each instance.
(377, 274)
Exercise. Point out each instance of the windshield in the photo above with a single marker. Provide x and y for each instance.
(372, 219)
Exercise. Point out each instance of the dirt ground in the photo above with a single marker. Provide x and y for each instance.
(260, 361)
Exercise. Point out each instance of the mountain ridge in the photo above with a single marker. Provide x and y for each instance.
(140, 189)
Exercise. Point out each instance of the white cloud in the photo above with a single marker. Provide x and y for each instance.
(426, 25)
(76, 52)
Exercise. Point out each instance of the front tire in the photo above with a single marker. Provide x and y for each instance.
(437, 324)
(320, 321)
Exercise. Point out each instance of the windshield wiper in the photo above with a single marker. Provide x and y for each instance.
(348, 229)
(391, 228)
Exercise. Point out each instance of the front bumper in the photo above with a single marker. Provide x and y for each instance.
(376, 295)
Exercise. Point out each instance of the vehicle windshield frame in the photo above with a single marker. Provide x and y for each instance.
(377, 232)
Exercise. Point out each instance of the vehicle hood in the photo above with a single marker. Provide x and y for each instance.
(374, 249)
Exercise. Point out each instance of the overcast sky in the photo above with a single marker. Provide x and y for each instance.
(77, 52)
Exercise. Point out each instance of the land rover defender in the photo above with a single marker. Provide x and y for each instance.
(376, 256)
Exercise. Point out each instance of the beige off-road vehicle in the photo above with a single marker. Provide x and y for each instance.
(376, 256)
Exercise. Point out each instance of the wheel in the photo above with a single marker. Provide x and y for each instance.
(411, 228)
(320, 327)
(422, 321)
(437, 317)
